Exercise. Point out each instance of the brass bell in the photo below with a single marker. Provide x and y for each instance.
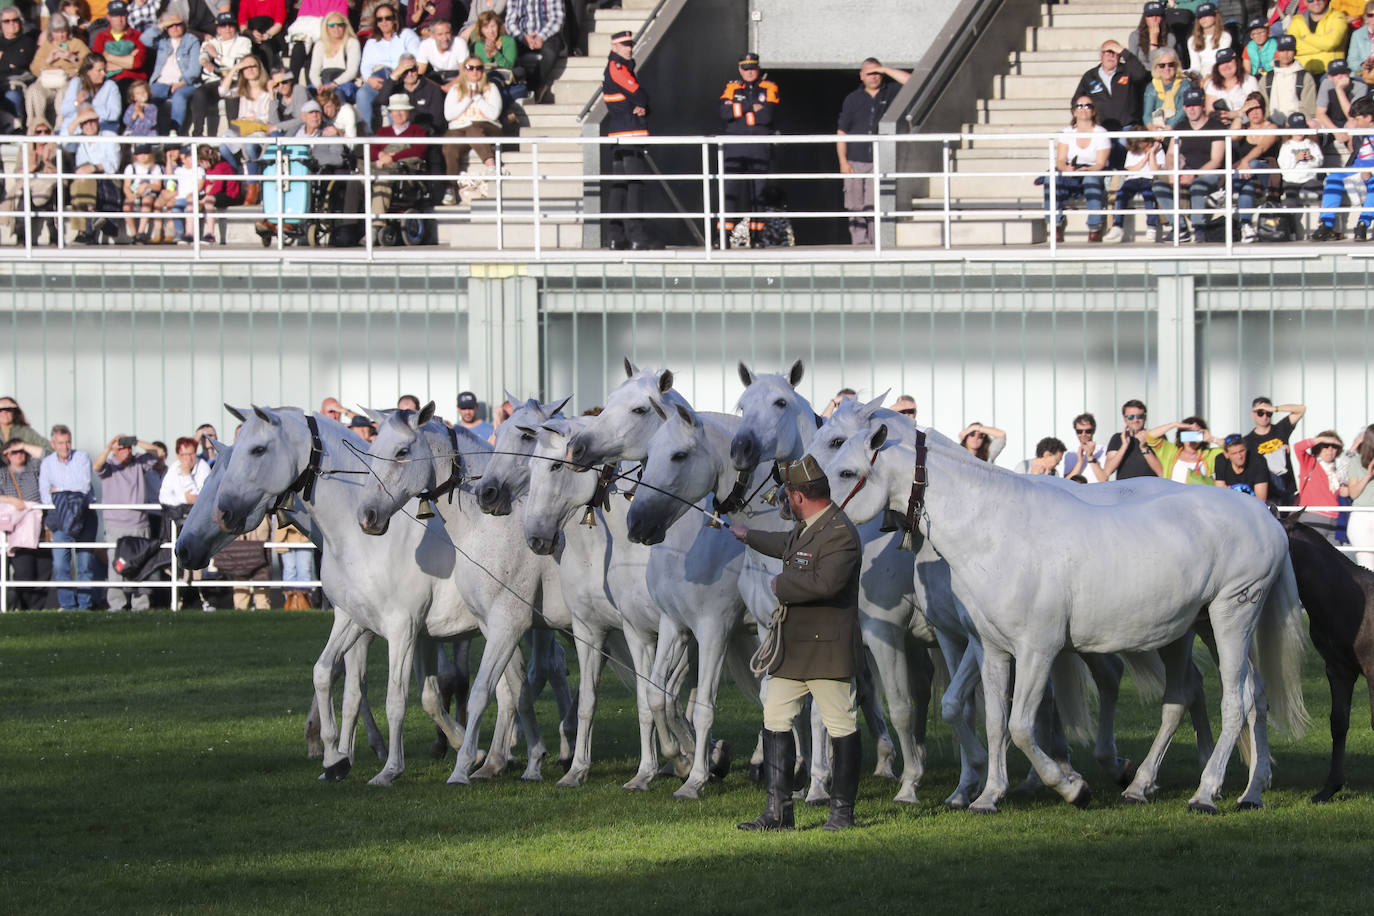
(713, 520)
(281, 519)
(892, 520)
(426, 510)
(771, 497)
(907, 543)
(589, 518)
(630, 493)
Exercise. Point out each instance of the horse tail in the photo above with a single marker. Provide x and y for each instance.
(1147, 673)
(1073, 691)
(1281, 642)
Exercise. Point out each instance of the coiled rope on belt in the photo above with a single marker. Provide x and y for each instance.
(769, 651)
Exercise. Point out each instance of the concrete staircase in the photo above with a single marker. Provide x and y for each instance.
(1031, 97)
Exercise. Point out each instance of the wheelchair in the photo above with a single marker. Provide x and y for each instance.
(409, 197)
(302, 201)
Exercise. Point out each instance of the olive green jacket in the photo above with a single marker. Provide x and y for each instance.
(819, 585)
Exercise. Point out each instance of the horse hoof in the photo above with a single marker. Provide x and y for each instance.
(907, 796)
(336, 772)
(1250, 806)
(688, 792)
(1128, 799)
(983, 809)
(638, 784)
(755, 772)
(1083, 798)
(1202, 808)
(1325, 795)
(721, 759)
(456, 780)
(565, 763)
(438, 750)
(957, 802)
(531, 777)
(1127, 774)
(382, 779)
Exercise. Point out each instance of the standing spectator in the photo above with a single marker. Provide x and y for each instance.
(245, 558)
(1117, 87)
(467, 416)
(1083, 146)
(297, 565)
(18, 486)
(984, 442)
(14, 425)
(176, 71)
(1322, 479)
(55, 63)
(1163, 105)
(334, 410)
(1152, 34)
(1237, 469)
(1360, 529)
(627, 115)
(1269, 440)
(64, 479)
(1189, 458)
(844, 394)
(381, 54)
(122, 481)
(1049, 453)
(218, 58)
(204, 438)
(1359, 171)
(363, 427)
(1288, 87)
(17, 49)
(1127, 454)
(1194, 159)
(537, 26)
(905, 405)
(1086, 460)
(122, 47)
(1209, 37)
(336, 57)
(861, 113)
(747, 106)
(408, 402)
(183, 481)
(440, 57)
(1320, 35)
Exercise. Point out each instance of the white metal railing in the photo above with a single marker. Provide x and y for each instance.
(544, 207)
(175, 584)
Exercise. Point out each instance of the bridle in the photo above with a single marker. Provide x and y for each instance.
(915, 503)
(601, 498)
(455, 474)
(304, 484)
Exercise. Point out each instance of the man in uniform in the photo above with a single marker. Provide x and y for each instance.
(813, 633)
(747, 107)
(627, 112)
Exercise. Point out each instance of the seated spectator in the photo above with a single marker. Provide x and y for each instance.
(1163, 106)
(1357, 171)
(1253, 155)
(14, 425)
(1083, 147)
(64, 480)
(425, 96)
(1238, 470)
(142, 185)
(34, 192)
(1321, 36)
(498, 53)
(440, 58)
(122, 47)
(340, 117)
(218, 58)
(1189, 458)
(1049, 453)
(178, 184)
(1360, 53)
(140, 115)
(397, 157)
(905, 405)
(1288, 86)
(1144, 154)
(1300, 159)
(1322, 475)
(254, 119)
(1227, 83)
(123, 482)
(1335, 96)
(91, 87)
(305, 30)
(56, 62)
(471, 109)
(1152, 34)
(220, 191)
(284, 112)
(18, 487)
(1360, 470)
(1117, 90)
(176, 71)
(475, 9)
(1087, 460)
(1259, 51)
(88, 191)
(263, 21)
(537, 27)
(17, 49)
(423, 14)
(1194, 160)
(381, 54)
(335, 59)
(984, 442)
(1209, 36)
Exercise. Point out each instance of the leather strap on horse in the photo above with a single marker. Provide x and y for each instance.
(736, 500)
(918, 488)
(601, 498)
(860, 485)
(304, 483)
(455, 476)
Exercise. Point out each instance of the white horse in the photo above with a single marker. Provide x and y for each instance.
(396, 587)
(504, 586)
(1166, 553)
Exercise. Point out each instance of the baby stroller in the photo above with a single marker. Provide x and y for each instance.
(408, 198)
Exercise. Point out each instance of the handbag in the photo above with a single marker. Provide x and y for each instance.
(1271, 226)
(52, 78)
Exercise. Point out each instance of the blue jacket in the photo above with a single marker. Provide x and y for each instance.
(188, 59)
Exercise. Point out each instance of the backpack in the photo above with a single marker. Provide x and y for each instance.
(1271, 226)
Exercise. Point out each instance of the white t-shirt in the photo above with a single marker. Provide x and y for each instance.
(449, 62)
(1181, 469)
(187, 182)
(1078, 155)
(1235, 97)
(142, 176)
(1153, 159)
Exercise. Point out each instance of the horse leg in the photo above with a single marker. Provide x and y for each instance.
(1106, 672)
(996, 669)
(400, 657)
(893, 673)
(1341, 682)
(354, 693)
(958, 708)
(313, 747)
(1032, 686)
(445, 678)
(548, 665)
(666, 682)
(870, 701)
(642, 652)
(1232, 665)
(1255, 731)
(711, 647)
(1178, 671)
(529, 727)
(343, 635)
(432, 700)
(589, 661)
(503, 636)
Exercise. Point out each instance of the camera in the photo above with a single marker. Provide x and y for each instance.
(1190, 435)
(128, 441)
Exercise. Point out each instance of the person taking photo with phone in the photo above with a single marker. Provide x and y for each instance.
(1191, 457)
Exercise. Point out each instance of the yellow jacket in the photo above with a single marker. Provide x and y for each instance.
(1318, 48)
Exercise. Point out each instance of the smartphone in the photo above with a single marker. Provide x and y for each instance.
(1190, 435)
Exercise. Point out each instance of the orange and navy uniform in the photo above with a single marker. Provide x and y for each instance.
(623, 93)
(737, 106)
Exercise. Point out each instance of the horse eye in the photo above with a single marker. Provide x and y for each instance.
(640, 410)
(403, 453)
(780, 404)
(556, 466)
(524, 437)
(848, 475)
(836, 443)
(259, 450)
(679, 456)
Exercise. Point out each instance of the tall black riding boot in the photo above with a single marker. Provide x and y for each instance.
(844, 780)
(779, 755)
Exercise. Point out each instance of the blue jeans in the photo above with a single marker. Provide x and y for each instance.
(298, 565)
(181, 101)
(14, 101)
(1197, 195)
(1127, 192)
(1093, 190)
(366, 101)
(70, 599)
(1333, 196)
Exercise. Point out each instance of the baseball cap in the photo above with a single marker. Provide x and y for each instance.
(226, 19)
(749, 59)
(1256, 22)
(1154, 9)
(1226, 54)
(359, 422)
(117, 8)
(1287, 43)
(1193, 97)
(467, 400)
(1207, 9)
(1297, 120)
(310, 106)
(1337, 67)
(142, 148)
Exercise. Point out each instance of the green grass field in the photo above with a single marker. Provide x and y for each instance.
(155, 762)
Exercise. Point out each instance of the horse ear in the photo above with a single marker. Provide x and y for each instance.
(426, 414)
(665, 381)
(744, 375)
(550, 428)
(685, 413)
(265, 416)
(221, 450)
(376, 416)
(510, 397)
(868, 409)
(235, 413)
(629, 368)
(529, 431)
(658, 410)
(794, 377)
(553, 410)
(876, 441)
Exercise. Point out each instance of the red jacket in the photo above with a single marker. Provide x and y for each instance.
(1314, 487)
(415, 151)
(135, 72)
(273, 9)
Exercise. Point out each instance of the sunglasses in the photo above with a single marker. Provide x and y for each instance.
(39, 131)
(1086, 432)
(1134, 416)
(1233, 439)
(1167, 63)
(1089, 107)
(335, 25)
(386, 19)
(1263, 413)
(977, 435)
(470, 67)
(909, 411)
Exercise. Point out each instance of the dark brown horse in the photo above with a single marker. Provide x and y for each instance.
(1339, 598)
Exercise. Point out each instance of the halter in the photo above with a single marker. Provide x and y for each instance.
(304, 484)
(601, 498)
(916, 502)
(737, 499)
(455, 474)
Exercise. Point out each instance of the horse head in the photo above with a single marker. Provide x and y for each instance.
(555, 495)
(272, 449)
(508, 472)
(630, 416)
(776, 419)
(199, 537)
(403, 463)
(680, 467)
(857, 476)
